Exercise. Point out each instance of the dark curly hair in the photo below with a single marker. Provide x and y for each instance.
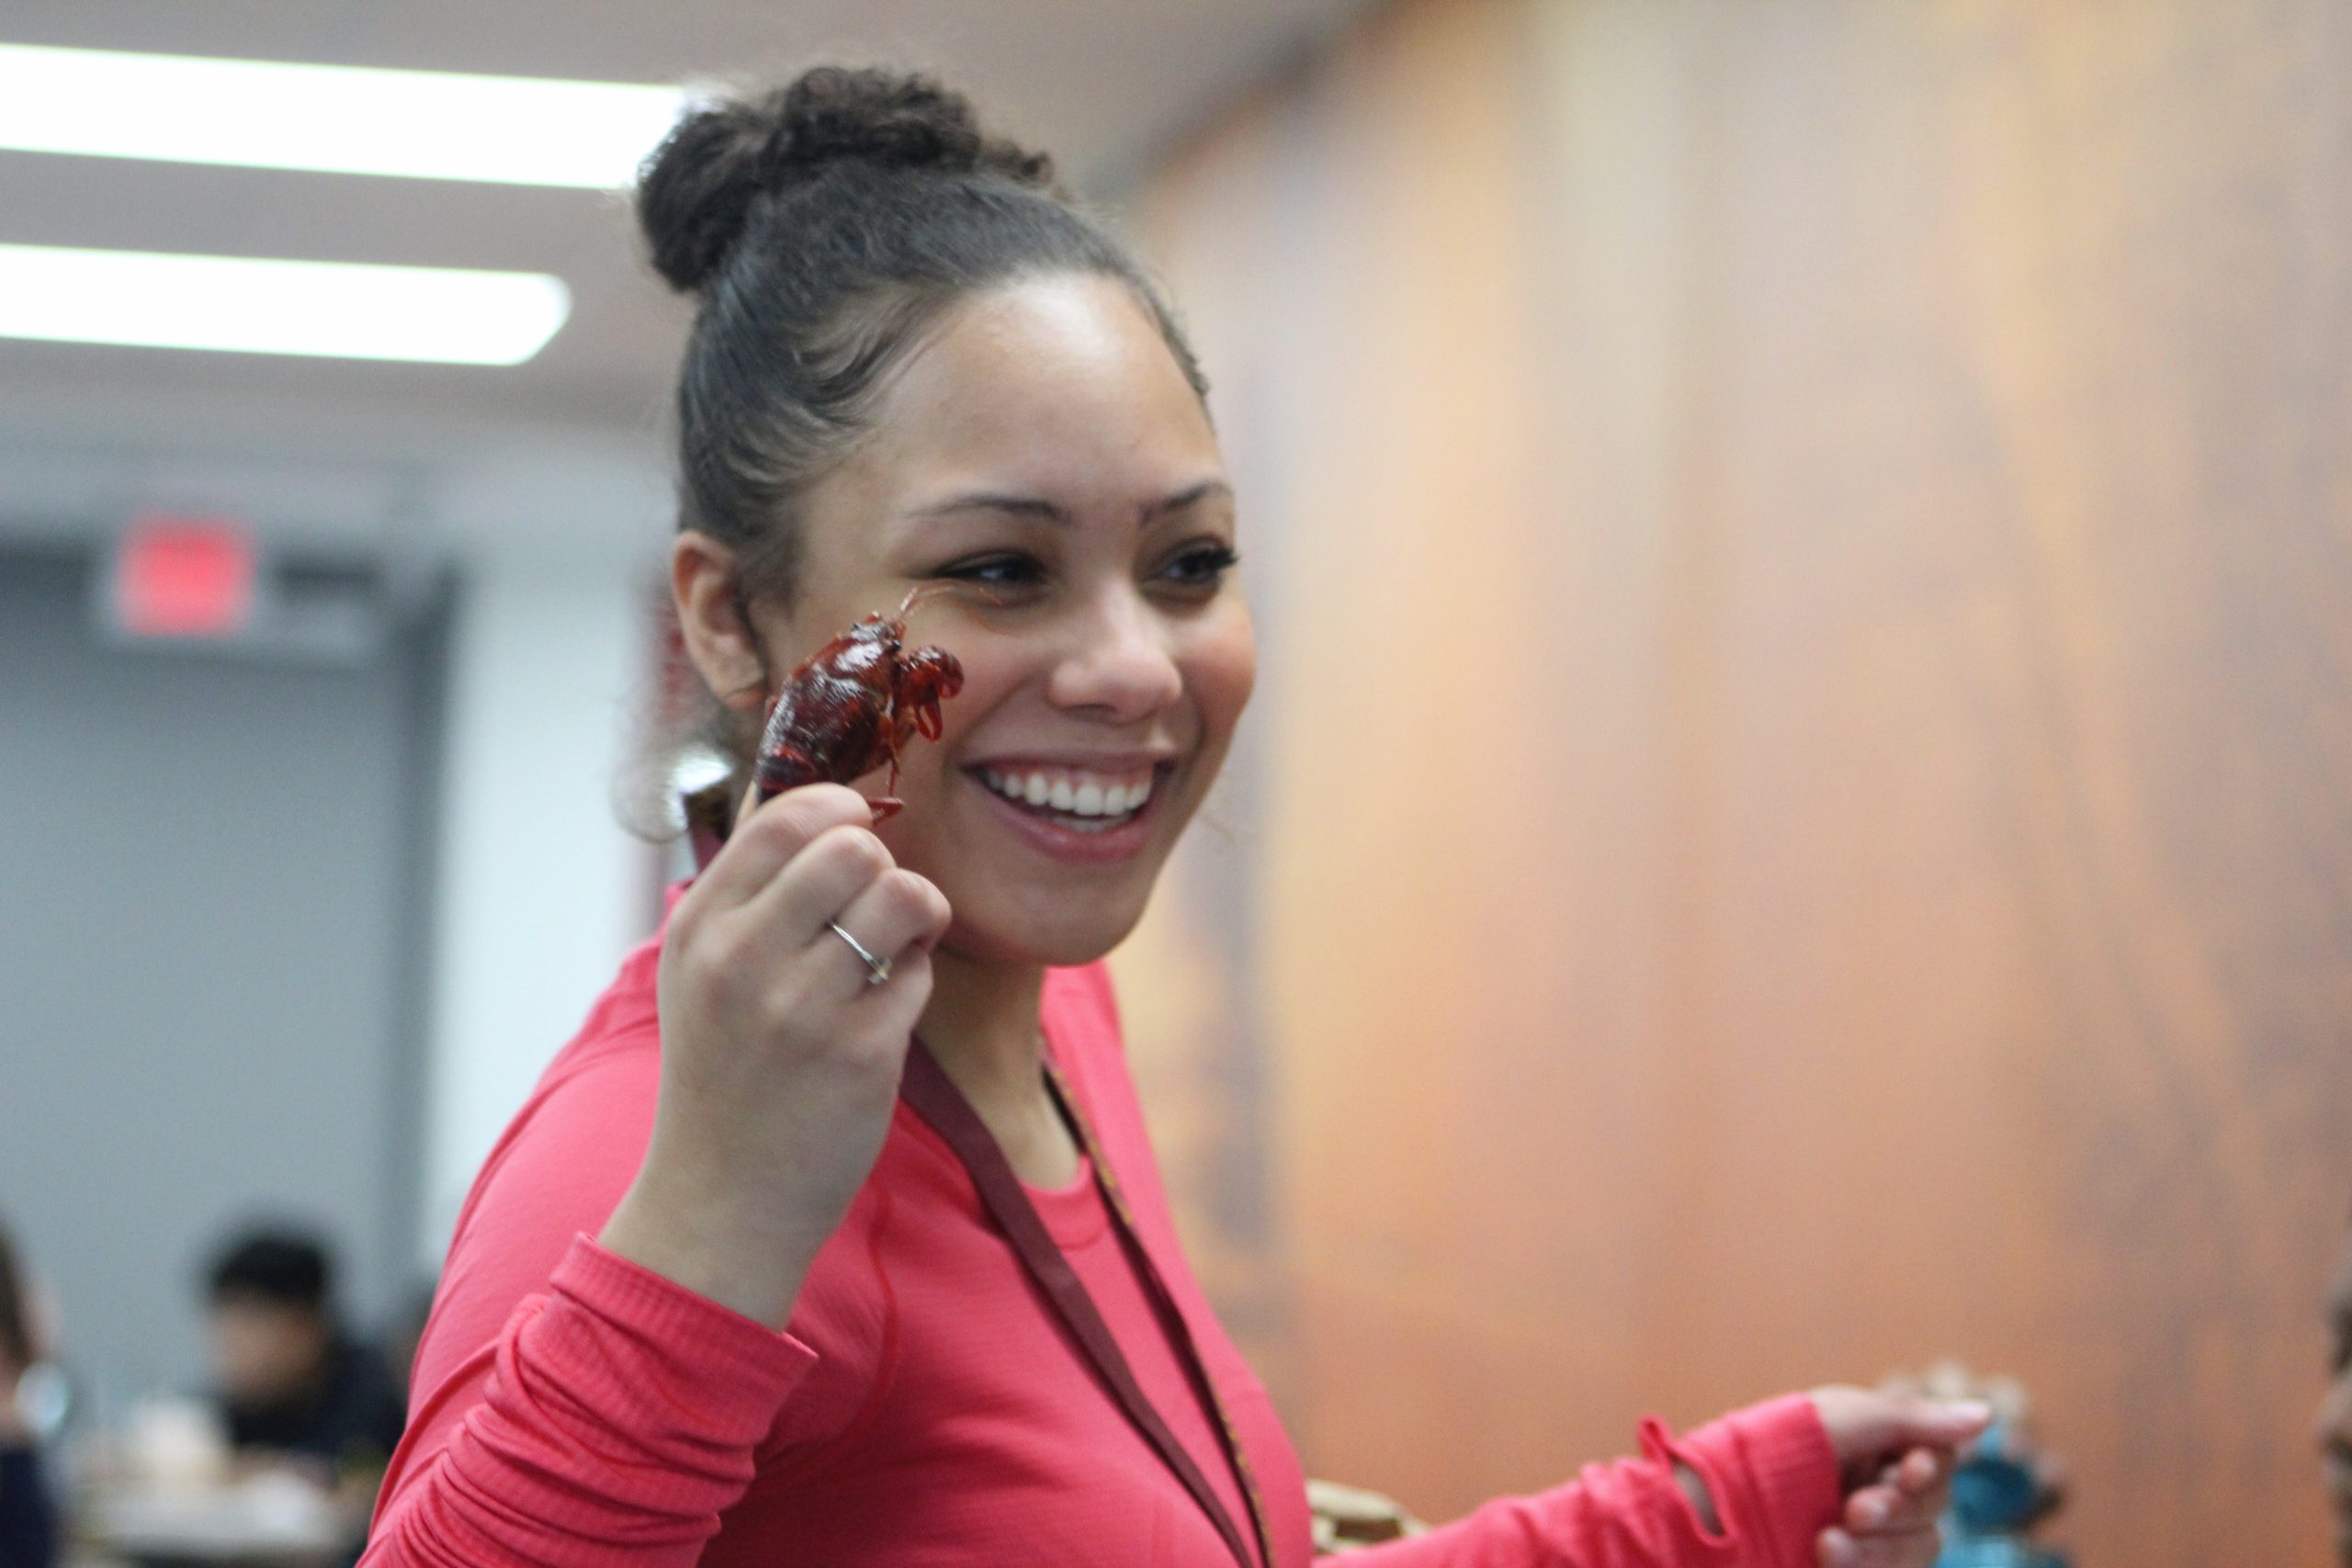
(283, 1268)
(825, 226)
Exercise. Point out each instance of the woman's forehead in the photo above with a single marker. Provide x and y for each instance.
(1053, 384)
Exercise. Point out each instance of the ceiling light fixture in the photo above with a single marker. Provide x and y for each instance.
(330, 118)
(329, 310)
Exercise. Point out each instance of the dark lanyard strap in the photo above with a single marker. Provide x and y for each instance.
(938, 1102)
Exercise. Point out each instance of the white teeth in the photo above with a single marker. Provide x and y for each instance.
(1084, 796)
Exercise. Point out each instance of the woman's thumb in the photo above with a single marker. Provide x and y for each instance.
(1944, 1423)
(1867, 1428)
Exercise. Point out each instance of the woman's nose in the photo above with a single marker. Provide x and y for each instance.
(1119, 663)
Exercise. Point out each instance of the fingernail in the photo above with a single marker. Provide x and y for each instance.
(1870, 1513)
(1969, 1410)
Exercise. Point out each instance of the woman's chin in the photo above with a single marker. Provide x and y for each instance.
(1060, 940)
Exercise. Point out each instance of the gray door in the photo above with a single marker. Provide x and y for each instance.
(212, 884)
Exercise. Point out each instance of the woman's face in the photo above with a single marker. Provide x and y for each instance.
(1043, 446)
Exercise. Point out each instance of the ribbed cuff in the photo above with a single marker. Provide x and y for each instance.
(1771, 1471)
(744, 1369)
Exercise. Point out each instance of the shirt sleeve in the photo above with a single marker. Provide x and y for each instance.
(1770, 1469)
(570, 1408)
(619, 1419)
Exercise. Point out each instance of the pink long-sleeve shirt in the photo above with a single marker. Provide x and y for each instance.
(924, 1406)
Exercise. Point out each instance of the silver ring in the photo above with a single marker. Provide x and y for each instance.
(877, 969)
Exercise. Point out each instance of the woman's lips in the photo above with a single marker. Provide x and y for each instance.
(1084, 815)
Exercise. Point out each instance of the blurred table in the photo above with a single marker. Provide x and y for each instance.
(269, 1521)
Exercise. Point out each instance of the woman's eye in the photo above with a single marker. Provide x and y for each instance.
(1202, 566)
(996, 571)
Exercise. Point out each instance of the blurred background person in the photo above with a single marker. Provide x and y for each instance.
(27, 1517)
(293, 1385)
(2334, 1431)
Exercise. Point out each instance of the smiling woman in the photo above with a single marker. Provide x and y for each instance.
(882, 1270)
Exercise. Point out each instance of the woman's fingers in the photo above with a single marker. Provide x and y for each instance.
(821, 881)
(1925, 1470)
(1908, 1495)
(895, 914)
(1868, 1430)
(764, 841)
(1896, 1454)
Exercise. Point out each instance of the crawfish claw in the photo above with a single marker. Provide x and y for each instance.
(927, 718)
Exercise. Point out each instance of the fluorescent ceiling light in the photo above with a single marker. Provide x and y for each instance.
(330, 310)
(332, 119)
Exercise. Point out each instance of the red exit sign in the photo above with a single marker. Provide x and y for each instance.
(185, 577)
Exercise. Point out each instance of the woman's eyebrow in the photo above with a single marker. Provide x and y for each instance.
(1191, 496)
(986, 500)
(1051, 511)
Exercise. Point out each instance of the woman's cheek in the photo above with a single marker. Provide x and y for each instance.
(994, 663)
(1225, 668)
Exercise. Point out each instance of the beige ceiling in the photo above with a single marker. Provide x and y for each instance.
(1103, 84)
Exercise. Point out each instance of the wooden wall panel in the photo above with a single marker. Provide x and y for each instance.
(1795, 820)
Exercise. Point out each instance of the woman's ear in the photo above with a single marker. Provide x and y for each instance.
(718, 638)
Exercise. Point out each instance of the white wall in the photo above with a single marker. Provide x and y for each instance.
(540, 890)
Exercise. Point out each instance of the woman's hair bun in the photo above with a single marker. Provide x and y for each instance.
(696, 192)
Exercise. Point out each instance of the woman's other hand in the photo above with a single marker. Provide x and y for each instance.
(1895, 1455)
(780, 1062)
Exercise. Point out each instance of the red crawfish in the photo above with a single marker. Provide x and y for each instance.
(854, 706)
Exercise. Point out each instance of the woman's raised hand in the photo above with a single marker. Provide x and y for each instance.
(780, 1058)
(1895, 1454)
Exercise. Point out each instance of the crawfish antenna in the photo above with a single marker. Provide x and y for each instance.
(923, 591)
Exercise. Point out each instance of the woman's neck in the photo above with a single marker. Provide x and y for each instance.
(982, 1026)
